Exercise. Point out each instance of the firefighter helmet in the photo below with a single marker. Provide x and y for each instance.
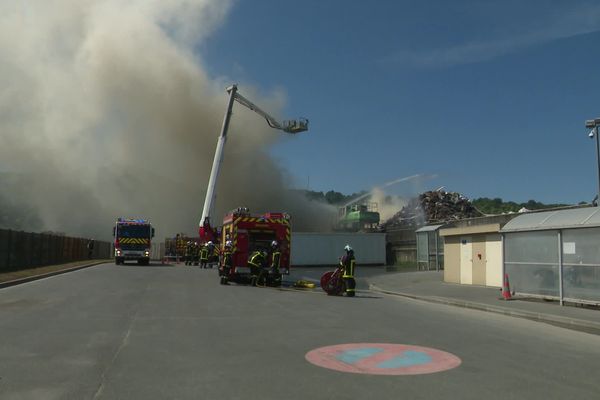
(348, 248)
(229, 243)
(274, 244)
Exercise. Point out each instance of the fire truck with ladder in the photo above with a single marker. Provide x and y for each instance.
(247, 232)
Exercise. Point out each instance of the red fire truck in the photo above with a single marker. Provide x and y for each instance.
(249, 233)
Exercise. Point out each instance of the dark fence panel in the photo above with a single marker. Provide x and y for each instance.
(22, 250)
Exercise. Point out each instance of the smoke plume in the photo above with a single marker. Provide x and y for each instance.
(386, 205)
(106, 111)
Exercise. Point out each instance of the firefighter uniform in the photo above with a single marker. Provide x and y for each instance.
(213, 254)
(179, 248)
(195, 254)
(227, 263)
(256, 262)
(188, 253)
(275, 263)
(204, 256)
(348, 262)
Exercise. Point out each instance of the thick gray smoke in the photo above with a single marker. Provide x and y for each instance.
(106, 111)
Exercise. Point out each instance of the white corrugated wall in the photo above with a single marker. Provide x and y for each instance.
(326, 248)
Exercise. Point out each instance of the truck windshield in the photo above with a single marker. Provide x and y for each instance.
(133, 231)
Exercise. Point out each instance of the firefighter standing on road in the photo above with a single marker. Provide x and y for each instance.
(347, 262)
(227, 263)
(188, 253)
(256, 262)
(213, 253)
(195, 253)
(204, 255)
(90, 248)
(275, 263)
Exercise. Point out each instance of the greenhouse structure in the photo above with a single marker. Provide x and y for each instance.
(554, 254)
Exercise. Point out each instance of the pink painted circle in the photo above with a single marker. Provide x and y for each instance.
(382, 359)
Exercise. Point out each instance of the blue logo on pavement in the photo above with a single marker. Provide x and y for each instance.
(408, 359)
(355, 355)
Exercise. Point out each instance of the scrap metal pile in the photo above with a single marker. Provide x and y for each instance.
(432, 207)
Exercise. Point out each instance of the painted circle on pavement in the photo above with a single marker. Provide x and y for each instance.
(382, 359)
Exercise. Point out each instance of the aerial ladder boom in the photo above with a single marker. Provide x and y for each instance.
(288, 126)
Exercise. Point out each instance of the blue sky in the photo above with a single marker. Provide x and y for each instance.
(491, 96)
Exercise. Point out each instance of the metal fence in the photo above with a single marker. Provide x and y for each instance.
(22, 250)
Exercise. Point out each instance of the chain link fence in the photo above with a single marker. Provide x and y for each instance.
(22, 250)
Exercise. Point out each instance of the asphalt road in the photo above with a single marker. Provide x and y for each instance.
(129, 332)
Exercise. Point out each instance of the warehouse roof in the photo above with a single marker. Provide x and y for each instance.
(587, 217)
(429, 228)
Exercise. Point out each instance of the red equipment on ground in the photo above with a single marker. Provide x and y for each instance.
(332, 282)
(249, 233)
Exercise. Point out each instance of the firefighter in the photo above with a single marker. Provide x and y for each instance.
(256, 262)
(204, 255)
(90, 248)
(188, 253)
(227, 263)
(275, 263)
(347, 262)
(213, 253)
(179, 247)
(195, 253)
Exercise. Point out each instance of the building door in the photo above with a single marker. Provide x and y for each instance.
(493, 250)
(479, 261)
(466, 260)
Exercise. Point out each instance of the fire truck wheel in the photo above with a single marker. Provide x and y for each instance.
(276, 282)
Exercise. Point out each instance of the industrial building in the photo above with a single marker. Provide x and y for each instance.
(473, 250)
(547, 254)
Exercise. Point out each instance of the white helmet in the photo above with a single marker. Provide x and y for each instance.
(274, 243)
(348, 248)
(209, 243)
(229, 243)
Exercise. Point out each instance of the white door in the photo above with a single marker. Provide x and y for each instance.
(466, 260)
(493, 252)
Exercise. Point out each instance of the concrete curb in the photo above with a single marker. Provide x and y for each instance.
(565, 322)
(49, 274)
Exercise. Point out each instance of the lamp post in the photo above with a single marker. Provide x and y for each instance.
(593, 125)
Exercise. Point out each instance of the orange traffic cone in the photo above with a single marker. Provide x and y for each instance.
(506, 288)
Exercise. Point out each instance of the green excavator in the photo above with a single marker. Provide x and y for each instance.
(358, 217)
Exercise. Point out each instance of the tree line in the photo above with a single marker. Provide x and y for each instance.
(483, 204)
(498, 206)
